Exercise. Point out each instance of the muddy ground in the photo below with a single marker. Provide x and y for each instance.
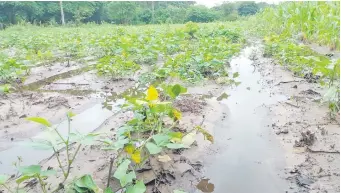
(271, 134)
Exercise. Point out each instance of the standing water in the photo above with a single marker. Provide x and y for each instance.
(249, 158)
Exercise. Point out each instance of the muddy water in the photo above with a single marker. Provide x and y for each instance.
(84, 122)
(249, 159)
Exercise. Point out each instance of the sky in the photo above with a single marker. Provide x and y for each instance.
(211, 3)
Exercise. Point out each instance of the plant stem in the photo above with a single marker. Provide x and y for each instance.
(58, 159)
(7, 188)
(111, 165)
(110, 169)
(67, 144)
(60, 186)
(70, 163)
(41, 184)
(149, 138)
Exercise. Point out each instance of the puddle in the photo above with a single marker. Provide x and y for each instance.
(37, 84)
(84, 122)
(248, 159)
(74, 92)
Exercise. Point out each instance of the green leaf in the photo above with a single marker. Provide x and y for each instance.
(48, 173)
(70, 114)
(176, 90)
(39, 144)
(127, 178)
(39, 120)
(5, 88)
(108, 190)
(152, 148)
(139, 187)
(87, 139)
(3, 179)
(119, 144)
(175, 146)
(22, 178)
(30, 170)
(122, 169)
(86, 182)
(161, 139)
(80, 190)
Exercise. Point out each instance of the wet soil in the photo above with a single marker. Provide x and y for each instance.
(271, 134)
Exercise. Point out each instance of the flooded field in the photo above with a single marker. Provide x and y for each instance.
(255, 127)
(169, 97)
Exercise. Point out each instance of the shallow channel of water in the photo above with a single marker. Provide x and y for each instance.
(249, 158)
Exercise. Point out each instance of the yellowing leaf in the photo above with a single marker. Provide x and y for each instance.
(164, 158)
(136, 157)
(152, 93)
(206, 134)
(40, 120)
(129, 148)
(177, 114)
(176, 136)
(70, 114)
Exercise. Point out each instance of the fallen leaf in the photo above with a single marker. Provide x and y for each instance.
(206, 134)
(204, 186)
(164, 158)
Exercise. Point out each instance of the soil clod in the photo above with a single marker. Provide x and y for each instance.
(307, 139)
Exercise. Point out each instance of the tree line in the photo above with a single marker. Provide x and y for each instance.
(122, 12)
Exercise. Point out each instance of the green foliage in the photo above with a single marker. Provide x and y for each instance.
(247, 8)
(304, 21)
(147, 133)
(138, 187)
(48, 13)
(11, 69)
(5, 88)
(200, 14)
(56, 142)
(85, 184)
(116, 66)
(40, 120)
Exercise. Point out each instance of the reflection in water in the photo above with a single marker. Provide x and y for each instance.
(235, 168)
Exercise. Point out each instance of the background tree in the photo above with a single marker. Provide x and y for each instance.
(200, 14)
(122, 12)
(247, 8)
(62, 12)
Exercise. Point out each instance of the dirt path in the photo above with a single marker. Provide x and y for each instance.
(271, 133)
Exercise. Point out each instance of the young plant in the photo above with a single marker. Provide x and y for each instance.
(150, 132)
(56, 142)
(117, 66)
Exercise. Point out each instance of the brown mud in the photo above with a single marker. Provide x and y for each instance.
(271, 133)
